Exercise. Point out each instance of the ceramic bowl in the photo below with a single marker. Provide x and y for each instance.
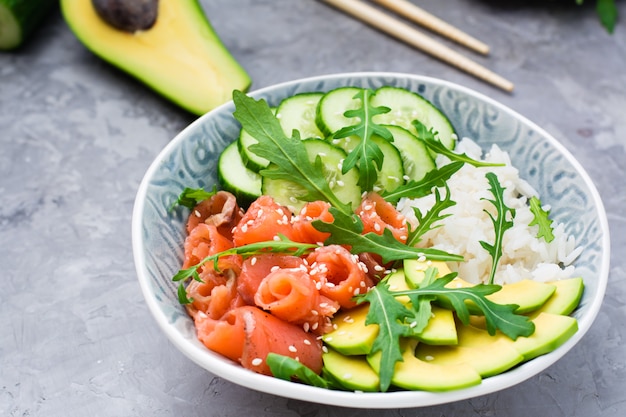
(189, 160)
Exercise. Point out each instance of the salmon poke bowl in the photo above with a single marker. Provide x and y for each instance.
(370, 240)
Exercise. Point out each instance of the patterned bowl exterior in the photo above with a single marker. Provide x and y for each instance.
(190, 161)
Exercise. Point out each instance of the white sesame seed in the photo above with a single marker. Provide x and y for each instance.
(292, 349)
(257, 361)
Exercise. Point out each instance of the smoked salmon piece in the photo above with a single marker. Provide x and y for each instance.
(220, 210)
(205, 240)
(262, 222)
(378, 214)
(302, 224)
(339, 274)
(247, 334)
(255, 268)
(291, 295)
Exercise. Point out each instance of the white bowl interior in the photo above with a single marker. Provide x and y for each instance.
(190, 161)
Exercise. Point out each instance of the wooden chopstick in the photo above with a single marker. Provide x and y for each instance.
(422, 17)
(409, 35)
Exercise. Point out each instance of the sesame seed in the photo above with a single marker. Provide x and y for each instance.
(429, 358)
(257, 361)
(197, 213)
(292, 349)
(253, 260)
(347, 376)
(307, 342)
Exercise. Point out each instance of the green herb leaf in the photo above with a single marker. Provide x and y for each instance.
(347, 230)
(366, 156)
(390, 316)
(397, 320)
(427, 222)
(541, 218)
(190, 197)
(607, 11)
(435, 145)
(289, 157)
(282, 245)
(182, 295)
(284, 367)
(416, 189)
(500, 317)
(500, 223)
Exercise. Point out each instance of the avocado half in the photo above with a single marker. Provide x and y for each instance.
(180, 56)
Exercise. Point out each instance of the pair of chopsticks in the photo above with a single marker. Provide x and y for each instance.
(406, 33)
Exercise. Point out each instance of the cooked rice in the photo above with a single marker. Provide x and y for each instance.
(524, 255)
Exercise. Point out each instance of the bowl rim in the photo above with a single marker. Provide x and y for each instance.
(221, 367)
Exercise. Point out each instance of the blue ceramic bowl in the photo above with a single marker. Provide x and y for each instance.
(190, 159)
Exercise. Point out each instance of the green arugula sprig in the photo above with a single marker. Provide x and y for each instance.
(429, 136)
(287, 368)
(541, 219)
(366, 156)
(289, 157)
(426, 222)
(348, 230)
(501, 222)
(282, 245)
(190, 197)
(416, 189)
(397, 320)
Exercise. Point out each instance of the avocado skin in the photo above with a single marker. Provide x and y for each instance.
(180, 56)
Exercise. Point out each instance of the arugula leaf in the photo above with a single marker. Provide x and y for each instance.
(289, 157)
(389, 314)
(366, 156)
(396, 319)
(285, 367)
(422, 308)
(417, 189)
(282, 245)
(347, 230)
(607, 12)
(426, 222)
(541, 219)
(500, 223)
(435, 145)
(500, 317)
(190, 197)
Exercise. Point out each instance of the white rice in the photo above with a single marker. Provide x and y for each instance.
(524, 255)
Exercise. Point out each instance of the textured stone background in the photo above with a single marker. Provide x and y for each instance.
(76, 136)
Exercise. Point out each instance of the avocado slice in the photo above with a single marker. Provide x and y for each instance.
(415, 374)
(566, 297)
(352, 372)
(551, 331)
(180, 56)
(351, 336)
(488, 360)
(527, 294)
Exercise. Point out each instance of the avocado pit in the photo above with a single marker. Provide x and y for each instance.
(127, 15)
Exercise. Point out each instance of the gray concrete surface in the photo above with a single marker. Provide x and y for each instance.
(76, 136)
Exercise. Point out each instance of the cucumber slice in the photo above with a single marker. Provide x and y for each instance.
(416, 158)
(333, 105)
(19, 18)
(298, 113)
(345, 186)
(244, 183)
(250, 160)
(407, 106)
(391, 174)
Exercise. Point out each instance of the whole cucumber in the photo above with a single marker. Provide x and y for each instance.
(19, 19)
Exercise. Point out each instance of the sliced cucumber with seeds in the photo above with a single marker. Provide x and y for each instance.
(298, 113)
(416, 158)
(244, 183)
(344, 186)
(407, 106)
(391, 174)
(333, 105)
